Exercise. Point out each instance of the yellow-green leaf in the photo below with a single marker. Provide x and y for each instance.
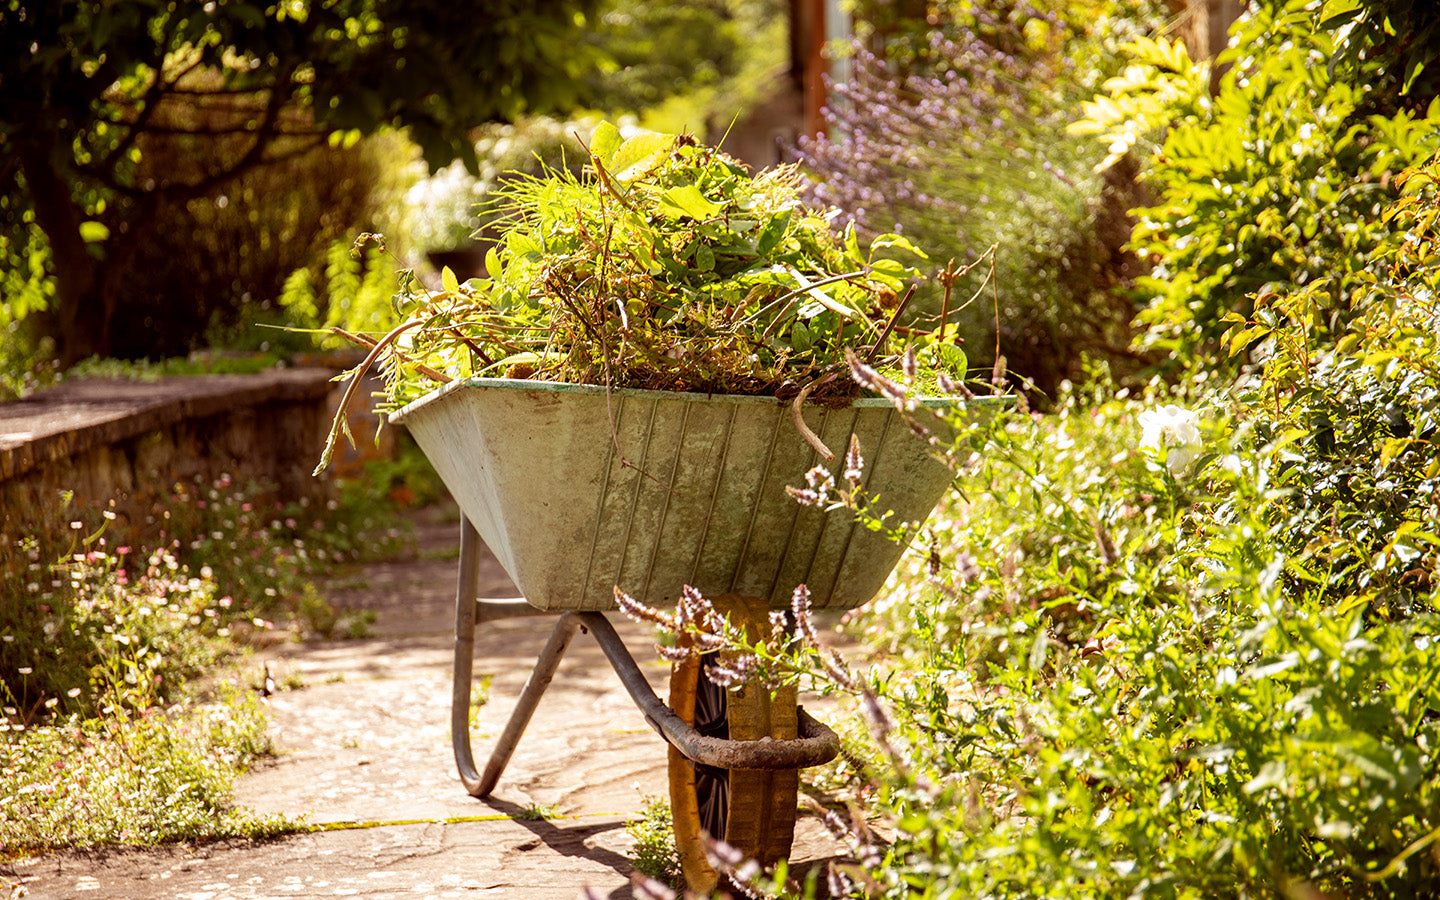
(604, 142)
(686, 200)
(638, 154)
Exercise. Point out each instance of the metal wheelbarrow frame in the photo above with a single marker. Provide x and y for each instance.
(656, 491)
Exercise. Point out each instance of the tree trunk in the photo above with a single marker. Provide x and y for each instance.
(1205, 26)
(81, 328)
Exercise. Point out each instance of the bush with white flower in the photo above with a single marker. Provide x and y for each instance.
(1173, 434)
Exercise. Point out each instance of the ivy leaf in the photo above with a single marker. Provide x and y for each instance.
(951, 359)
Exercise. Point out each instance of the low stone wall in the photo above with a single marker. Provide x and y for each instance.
(130, 442)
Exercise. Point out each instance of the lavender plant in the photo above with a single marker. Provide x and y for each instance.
(954, 135)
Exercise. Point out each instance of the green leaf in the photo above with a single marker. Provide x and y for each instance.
(686, 200)
(891, 269)
(801, 337)
(1412, 71)
(639, 154)
(1271, 774)
(604, 142)
(704, 258)
(1334, 22)
(886, 241)
(772, 233)
(1039, 648)
(951, 359)
(448, 281)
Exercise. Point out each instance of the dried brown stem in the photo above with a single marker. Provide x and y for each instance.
(366, 340)
(356, 374)
(797, 413)
(890, 326)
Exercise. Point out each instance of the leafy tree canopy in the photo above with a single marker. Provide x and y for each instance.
(86, 86)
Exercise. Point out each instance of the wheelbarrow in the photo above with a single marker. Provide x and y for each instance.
(578, 490)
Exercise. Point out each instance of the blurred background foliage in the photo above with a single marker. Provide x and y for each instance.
(120, 121)
(952, 129)
(263, 245)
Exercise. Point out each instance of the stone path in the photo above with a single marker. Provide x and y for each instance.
(364, 746)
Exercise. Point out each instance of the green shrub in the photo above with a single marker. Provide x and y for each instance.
(1358, 411)
(1116, 680)
(1183, 644)
(98, 618)
(1279, 179)
(103, 738)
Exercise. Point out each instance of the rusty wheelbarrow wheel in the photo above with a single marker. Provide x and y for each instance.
(752, 810)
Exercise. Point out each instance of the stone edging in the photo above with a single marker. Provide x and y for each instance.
(73, 417)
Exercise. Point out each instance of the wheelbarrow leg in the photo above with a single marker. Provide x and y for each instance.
(467, 610)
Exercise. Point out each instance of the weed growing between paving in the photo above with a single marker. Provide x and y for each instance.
(105, 738)
(537, 812)
(479, 696)
(654, 843)
(131, 778)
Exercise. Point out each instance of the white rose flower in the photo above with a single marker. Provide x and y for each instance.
(1174, 427)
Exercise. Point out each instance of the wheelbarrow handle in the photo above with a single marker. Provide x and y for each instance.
(816, 745)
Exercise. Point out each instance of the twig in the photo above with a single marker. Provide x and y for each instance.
(356, 374)
(947, 278)
(796, 413)
(890, 326)
(845, 276)
(367, 341)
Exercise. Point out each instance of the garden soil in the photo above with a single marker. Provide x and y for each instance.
(361, 730)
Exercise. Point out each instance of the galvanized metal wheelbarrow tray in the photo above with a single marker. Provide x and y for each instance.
(579, 491)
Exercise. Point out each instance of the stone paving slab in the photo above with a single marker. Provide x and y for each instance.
(364, 746)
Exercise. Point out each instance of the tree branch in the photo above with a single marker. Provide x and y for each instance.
(154, 95)
(280, 131)
(263, 133)
(181, 193)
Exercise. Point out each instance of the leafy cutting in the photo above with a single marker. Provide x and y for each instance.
(663, 264)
